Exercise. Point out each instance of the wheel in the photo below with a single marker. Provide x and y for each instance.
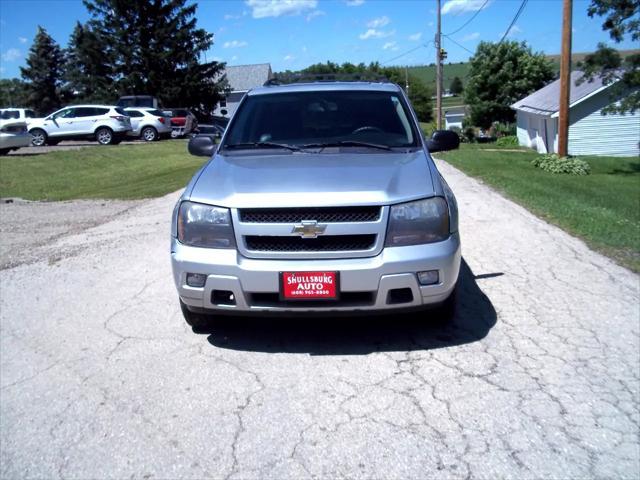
(104, 136)
(38, 137)
(149, 134)
(197, 321)
(175, 133)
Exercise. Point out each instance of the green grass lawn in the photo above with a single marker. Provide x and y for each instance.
(602, 208)
(118, 171)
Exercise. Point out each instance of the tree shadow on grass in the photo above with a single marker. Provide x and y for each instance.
(474, 318)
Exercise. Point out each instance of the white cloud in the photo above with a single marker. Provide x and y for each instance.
(390, 46)
(11, 55)
(471, 36)
(461, 6)
(22, 40)
(231, 17)
(315, 13)
(515, 30)
(275, 8)
(288, 58)
(354, 3)
(415, 37)
(234, 58)
(373, 33)
(379, 22)
(235, 44)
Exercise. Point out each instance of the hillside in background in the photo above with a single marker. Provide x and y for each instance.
(427, 73)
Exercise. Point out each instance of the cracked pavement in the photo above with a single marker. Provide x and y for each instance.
(538, 376)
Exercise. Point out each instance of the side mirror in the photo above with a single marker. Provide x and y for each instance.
(443, 140)
(202, 146)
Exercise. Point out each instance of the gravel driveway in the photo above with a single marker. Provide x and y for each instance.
(538, 376)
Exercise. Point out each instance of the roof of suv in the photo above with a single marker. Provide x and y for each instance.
(325, 86)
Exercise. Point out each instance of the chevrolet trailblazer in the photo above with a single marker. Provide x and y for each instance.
(320, 197)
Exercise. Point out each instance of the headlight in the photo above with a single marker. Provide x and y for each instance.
(205, 226)
(415, 223)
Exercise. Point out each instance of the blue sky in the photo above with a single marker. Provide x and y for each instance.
(296, 33)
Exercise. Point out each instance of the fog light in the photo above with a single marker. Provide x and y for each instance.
(430, 277)
(196, 279)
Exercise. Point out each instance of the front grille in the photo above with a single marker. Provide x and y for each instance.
(329, 243)
(321, 214)
(347, 299)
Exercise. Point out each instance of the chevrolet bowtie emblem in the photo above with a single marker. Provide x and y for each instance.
(309, 229)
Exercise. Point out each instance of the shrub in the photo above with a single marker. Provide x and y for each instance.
(469, 134)
(510, 141)
(554, 164)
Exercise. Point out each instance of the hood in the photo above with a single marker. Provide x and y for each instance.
(314, 179)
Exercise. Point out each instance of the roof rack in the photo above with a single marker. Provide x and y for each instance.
(324, 77)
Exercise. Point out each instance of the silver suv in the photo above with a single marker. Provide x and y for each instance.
(320, 197)
(105, 123)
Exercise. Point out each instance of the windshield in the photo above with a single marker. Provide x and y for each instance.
(323, 118)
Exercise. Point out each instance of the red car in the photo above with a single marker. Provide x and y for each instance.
(183, 121)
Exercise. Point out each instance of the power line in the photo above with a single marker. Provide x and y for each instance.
(461, 46)
(515, 19)
(470, 20)
(407, 53)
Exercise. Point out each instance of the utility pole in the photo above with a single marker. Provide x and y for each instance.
(438, 73)
(565, 80)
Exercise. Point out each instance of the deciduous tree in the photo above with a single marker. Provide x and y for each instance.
(456, 86)
(499, 75)
(622, 19)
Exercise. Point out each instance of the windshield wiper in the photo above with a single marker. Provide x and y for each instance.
(346, 143)
(293, 148)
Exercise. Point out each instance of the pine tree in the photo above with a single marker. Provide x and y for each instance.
(154, 47)
(88, 73)
(43, 73)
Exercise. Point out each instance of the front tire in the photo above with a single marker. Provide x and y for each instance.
(149, 134)
(104, 136)
(197, 321)
(39, 137)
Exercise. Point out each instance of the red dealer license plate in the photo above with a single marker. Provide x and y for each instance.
(309, 285)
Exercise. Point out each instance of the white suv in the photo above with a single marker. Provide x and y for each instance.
(105, 123)
(149, 124)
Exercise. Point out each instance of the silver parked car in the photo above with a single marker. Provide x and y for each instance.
(149, 124)
(13, 131)
(321, 197)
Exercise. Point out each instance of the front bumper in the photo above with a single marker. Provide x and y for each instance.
(366, 284)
